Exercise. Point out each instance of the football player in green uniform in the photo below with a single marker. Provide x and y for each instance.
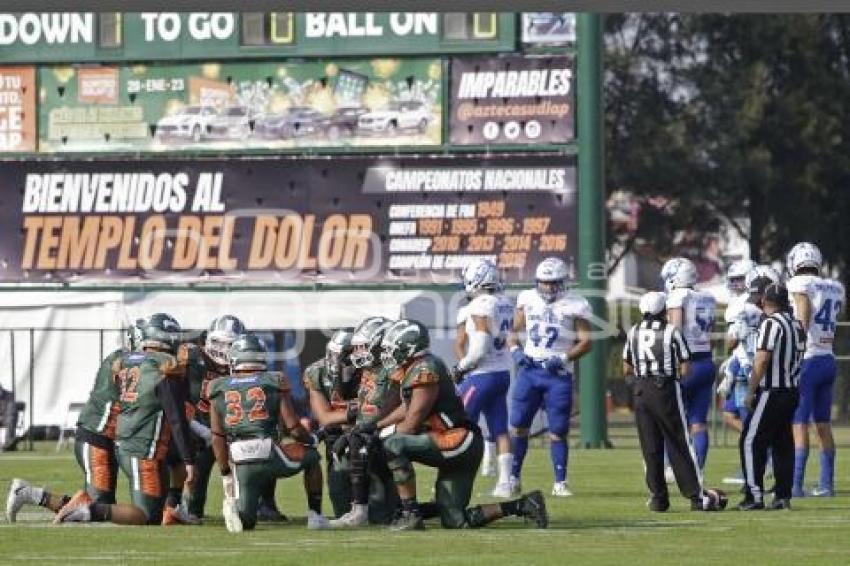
(246, 411)
(431, 427)
(373, 495)
(332, 384)
(94, 447)
(152, 398)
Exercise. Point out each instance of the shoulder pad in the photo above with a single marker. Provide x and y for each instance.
(422, 372)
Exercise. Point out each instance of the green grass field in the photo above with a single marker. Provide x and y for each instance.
(606, 522)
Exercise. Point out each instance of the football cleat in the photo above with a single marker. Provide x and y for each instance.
(658, 504)
(822, 492)
(316, 521)
(357, 517)
(76, 510)
(503, 490)
(560, 489)
(750, 505)
(533, 506)
(780, 505)
(20, 494)
(408, 521)
(178, 516)
(232, 521)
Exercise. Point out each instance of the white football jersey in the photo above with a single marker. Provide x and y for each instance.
(499, 311)
(827, 298)
(697, 317)
(745, 329)
(550, 327)
(733, 309)
(461, 315)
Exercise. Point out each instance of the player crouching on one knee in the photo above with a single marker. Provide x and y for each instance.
(247, 410)
(431, 427)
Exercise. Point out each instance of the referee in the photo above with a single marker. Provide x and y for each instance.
(772, 399)
(656, 355)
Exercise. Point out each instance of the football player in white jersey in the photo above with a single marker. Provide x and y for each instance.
(484, 371)
(736, 284)
(557, 332)
(693, 313)
(817, 302)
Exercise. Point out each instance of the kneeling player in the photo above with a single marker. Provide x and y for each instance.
(373, 494)
(432, 428)
(152, 398)
(93, 447)
(246, 409)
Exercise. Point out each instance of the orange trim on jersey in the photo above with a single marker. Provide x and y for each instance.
(449, 439)
(112, 421)
(436, 424)
(149, 480)
(100, 461)
(295, 451)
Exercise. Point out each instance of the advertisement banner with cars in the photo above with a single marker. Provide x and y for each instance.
(284, 220)
(241, 106)
(512, 100)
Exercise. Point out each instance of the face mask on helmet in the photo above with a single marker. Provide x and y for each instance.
(736, 284)
(218, 345)
(550, 290)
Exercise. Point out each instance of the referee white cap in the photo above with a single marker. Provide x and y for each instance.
(653, 303)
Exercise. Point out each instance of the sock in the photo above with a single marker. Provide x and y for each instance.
(489, 450)
(41, 496)
(519, 447)
(100, 512)
(701, 447)
(410, 505)
(558, 452)
(172, 498)
(314, 502)
(506, 462)
(510, 507)
(800, 457)
(827, 469)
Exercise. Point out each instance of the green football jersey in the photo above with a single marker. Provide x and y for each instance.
(249, 405)
(100, 413)
(375, 391)
(430, 371)
(143, 430)
(317, 378)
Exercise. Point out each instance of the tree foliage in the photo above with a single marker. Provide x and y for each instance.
(731, 116)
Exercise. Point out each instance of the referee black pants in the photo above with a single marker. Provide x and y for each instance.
(768, 426)
(660, 418)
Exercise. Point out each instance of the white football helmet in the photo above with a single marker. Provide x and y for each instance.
(677, 273)
(803, 255)
(551, 276)
(480, 275)
(736, 275)
(653, 303)
(222, 333)
(758, 272)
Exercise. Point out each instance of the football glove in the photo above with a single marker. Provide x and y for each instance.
(340, 447)
(457, 375)
(554, 364)
(367, 429)
(520, 359)
(228, 482)
(352, 410)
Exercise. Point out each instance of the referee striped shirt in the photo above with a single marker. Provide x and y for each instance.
(783, 336)
(655, 349)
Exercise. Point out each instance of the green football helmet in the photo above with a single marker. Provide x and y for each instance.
(248, 353)
(159, 331)
(366, 342)
(402, 341)
(338, 352)
(221, 334)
